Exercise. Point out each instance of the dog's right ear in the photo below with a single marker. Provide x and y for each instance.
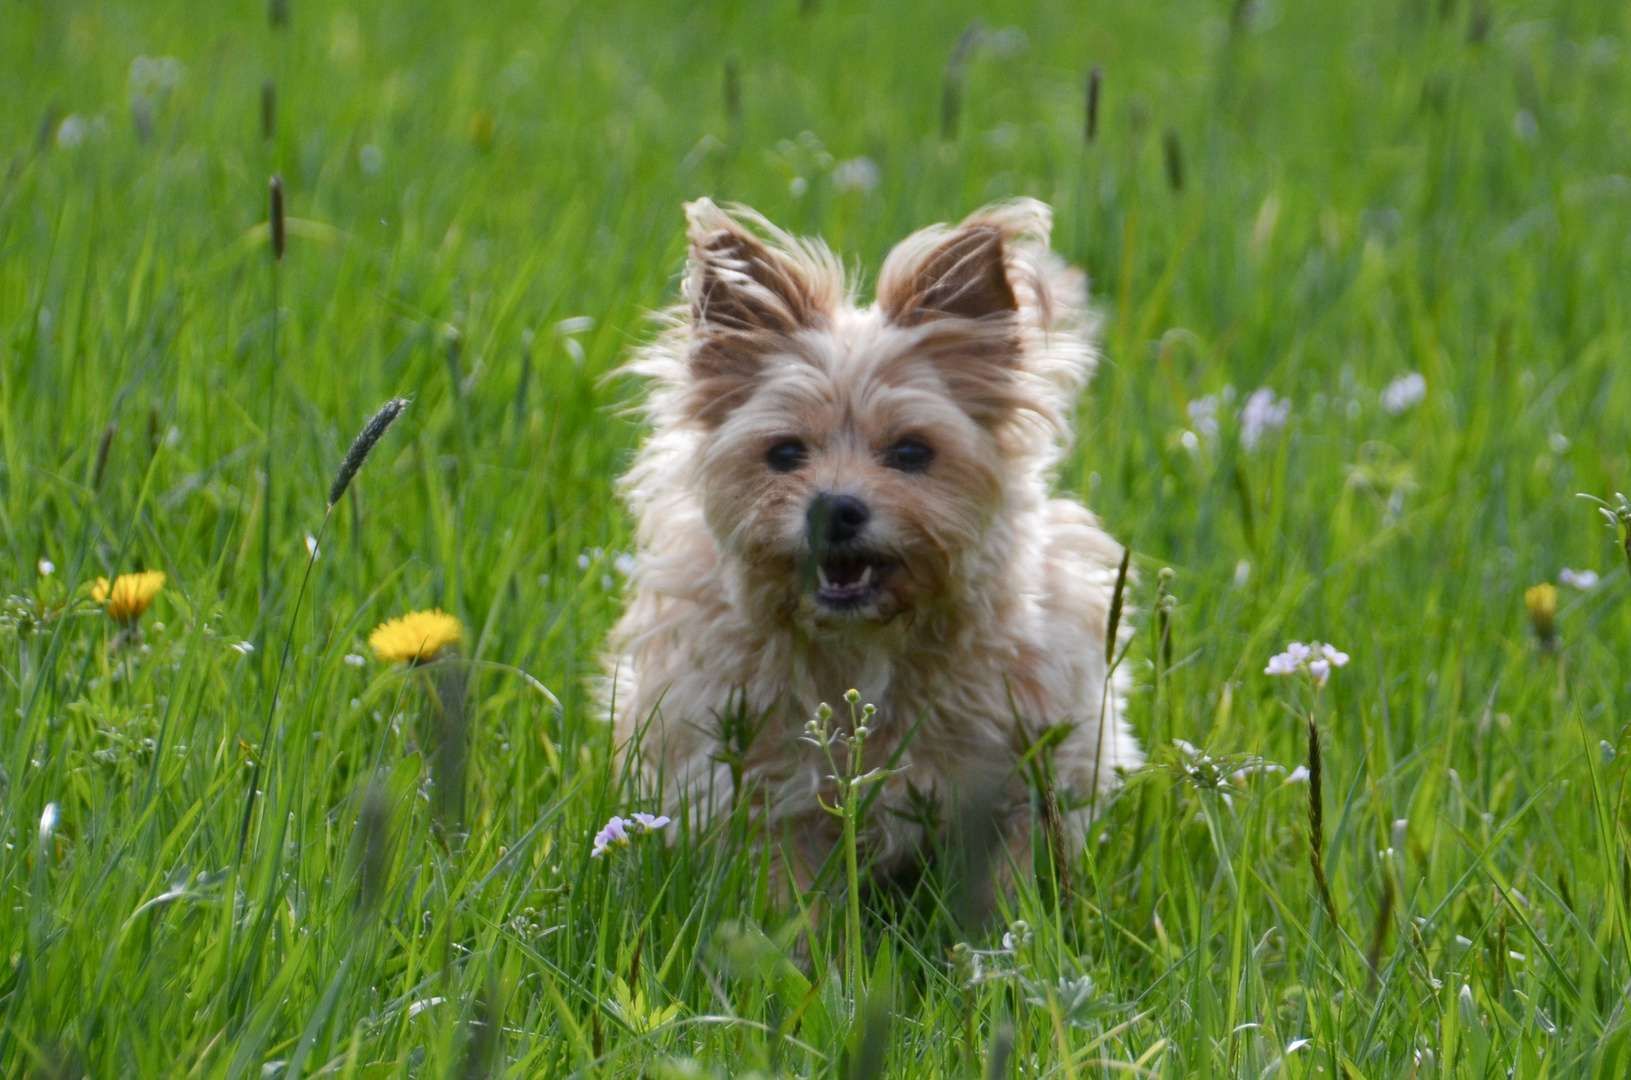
(748, 293)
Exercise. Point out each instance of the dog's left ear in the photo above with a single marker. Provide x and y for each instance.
(976, 270)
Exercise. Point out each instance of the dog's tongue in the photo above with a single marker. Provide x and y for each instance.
(840, 575)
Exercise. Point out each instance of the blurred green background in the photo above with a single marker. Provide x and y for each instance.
(1308, 200)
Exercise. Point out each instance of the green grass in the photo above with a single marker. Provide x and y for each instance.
(1368, 188)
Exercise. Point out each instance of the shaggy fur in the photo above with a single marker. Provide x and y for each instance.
(968, 606)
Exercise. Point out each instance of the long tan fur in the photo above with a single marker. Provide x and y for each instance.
(988, 625)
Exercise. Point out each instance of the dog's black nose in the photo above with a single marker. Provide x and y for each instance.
(837, 519)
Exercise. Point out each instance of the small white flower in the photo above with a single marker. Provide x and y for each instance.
(1337, 657)
(1404, 392)
(1243, 573)
(615, 833)
(1299, 775)
(355, 659)
(623, 564)
(856, 174)
(583, 561)
(1281, 664)
(47, 567)
(311, 546)
(798, 186)
(1320, 670)
(72, 132)
(1580, 579)
(649, 822)
(243, 648)
(1263, 413)
(1203, 416)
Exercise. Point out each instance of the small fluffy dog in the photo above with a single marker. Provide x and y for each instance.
(837, 496)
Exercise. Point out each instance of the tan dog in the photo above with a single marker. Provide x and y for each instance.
(837, 496)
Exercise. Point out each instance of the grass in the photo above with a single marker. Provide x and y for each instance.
(1315, 198)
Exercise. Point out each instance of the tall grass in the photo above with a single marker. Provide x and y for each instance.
(1315, 199)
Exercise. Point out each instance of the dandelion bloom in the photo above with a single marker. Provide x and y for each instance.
(130, 595)
(417, 636)
(1541, 604)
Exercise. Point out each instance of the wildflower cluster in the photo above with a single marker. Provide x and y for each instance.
(1403, 393)
(623, 831)
(1315, 659)
(976, 966)
(1262, 414)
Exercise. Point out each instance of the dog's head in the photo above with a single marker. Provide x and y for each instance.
(860, 464)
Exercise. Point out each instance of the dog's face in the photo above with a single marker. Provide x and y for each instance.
(856, 464)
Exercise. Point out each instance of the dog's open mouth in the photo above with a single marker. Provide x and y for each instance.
(850, 580)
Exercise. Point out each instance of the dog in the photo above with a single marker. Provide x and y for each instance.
(838, 498)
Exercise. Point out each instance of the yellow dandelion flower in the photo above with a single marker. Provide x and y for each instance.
(417, 636)
(130, 595)
(1541, 604)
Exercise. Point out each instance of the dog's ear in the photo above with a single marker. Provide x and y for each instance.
(749, 290)
(982, 268)
(961, 276)
(999, 315)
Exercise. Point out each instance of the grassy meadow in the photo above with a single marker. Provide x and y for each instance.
(231, 845)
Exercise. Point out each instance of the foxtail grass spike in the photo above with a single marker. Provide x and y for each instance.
(1316, 823)
(1116, 599)
(363, 445)
(951, 91)
(1172, 151)
(1094, 78)
(1002, 1048)
(276, 219)
(733, 91)
(102, 449)
(268, 109)
(374, 825)
(1378, 934)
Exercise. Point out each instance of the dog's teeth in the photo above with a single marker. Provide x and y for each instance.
(866, 576)
(821, 578)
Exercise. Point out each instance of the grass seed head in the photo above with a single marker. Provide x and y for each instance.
(1172, 152)
(1095, 77)
(268, 109)
(363, 445)
(275, 218)
(733, 91)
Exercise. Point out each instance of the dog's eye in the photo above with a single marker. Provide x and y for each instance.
(787, 456)
(909, 455)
